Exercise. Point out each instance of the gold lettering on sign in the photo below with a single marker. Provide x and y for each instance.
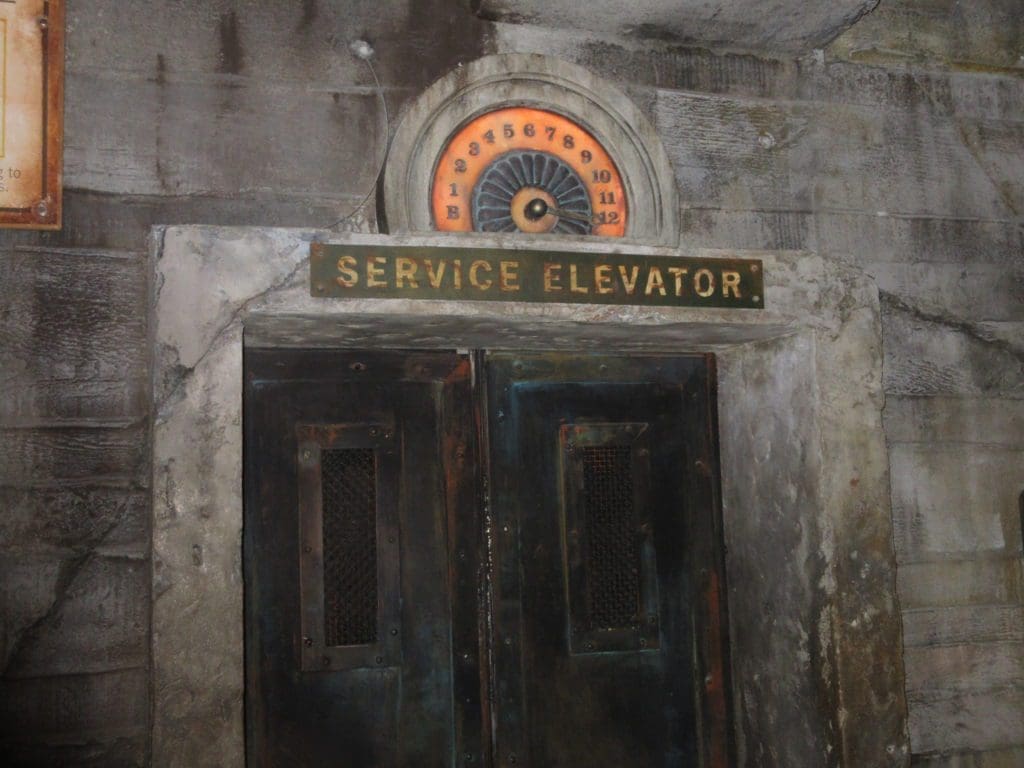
(552, 275)
(655, 282)
(629, 283)
(374, 272)
(730, 282)
(707, 277)
(508, 276)
(405, 271)
(347, 275)
(641, 280)
(678, 273)
(574, 285)
(434, 277)
(474, 275)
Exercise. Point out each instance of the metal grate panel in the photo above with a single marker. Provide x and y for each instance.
(349, 493)
(611, 549)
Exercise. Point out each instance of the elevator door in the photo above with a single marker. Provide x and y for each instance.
(494, 559)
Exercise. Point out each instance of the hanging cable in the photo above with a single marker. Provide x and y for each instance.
(361, 49)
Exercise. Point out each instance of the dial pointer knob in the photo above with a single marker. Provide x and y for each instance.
(538, 208)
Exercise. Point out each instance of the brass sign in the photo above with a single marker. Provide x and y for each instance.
(31, 104)
(481, 274)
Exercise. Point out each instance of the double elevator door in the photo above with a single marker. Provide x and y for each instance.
(482, 559)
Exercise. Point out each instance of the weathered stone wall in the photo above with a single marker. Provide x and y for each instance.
(905, 161)
(898, 149)
(237, 112)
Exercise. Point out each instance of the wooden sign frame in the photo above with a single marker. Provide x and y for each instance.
(31, 113)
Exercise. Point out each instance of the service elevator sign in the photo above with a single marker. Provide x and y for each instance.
(31, 125)
(482, 274)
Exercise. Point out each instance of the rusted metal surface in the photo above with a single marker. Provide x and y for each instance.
(413, 696)
(621, 705)
(481, 274)
(711, 621)
(549, 568)
(31, 113)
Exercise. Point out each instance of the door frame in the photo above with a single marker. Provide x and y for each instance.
(473, 524)
(800, 419)
(696, 377)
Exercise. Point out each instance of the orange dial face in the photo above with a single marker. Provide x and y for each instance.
(520, 169)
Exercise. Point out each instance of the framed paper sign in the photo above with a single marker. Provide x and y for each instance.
(31, 107)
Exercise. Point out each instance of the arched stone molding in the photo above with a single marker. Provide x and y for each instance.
(545, 83)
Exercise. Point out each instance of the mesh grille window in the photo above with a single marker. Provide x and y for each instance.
(611, 554)
(349, 494)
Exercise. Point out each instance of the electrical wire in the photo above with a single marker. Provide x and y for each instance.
(362, 50)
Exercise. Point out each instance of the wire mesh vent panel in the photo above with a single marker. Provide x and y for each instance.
(349, 493)
(611, 554)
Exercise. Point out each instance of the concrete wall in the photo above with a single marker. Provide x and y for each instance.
(900, 149)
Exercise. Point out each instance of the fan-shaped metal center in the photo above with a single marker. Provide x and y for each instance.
(509, 173)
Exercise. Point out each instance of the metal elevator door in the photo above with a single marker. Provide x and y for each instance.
(482, 560)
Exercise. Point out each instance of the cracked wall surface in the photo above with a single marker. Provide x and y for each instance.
(899, 149)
